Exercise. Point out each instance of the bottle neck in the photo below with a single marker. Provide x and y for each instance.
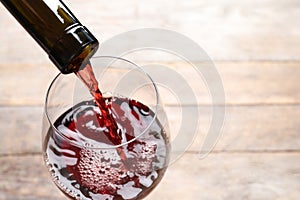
(73, 49)
(56, 30)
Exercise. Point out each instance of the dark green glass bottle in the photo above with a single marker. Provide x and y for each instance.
(67, 42)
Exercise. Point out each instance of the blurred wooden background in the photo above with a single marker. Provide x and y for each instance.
(255, 45)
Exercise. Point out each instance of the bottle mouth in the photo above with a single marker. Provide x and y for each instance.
(82, 58)
(82, 144)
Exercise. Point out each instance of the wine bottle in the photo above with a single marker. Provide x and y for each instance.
(67, 42)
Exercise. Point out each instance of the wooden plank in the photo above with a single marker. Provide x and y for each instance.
(244, 83)
(232, 176)
(26, 178)
(227, 30)
(260, 82)
(20, 130)
(218, 176)
(250, 128)
(25, 84)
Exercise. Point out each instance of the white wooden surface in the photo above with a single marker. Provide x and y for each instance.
(255, 46)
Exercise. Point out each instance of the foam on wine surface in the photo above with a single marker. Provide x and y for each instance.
(82, 172)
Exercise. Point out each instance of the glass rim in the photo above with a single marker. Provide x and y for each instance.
(81, 145)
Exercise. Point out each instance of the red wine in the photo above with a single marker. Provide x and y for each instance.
(86, 75)
(82, 171)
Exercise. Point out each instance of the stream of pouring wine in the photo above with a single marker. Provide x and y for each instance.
(86, 75)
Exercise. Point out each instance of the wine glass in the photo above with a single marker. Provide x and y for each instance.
(84, 160)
